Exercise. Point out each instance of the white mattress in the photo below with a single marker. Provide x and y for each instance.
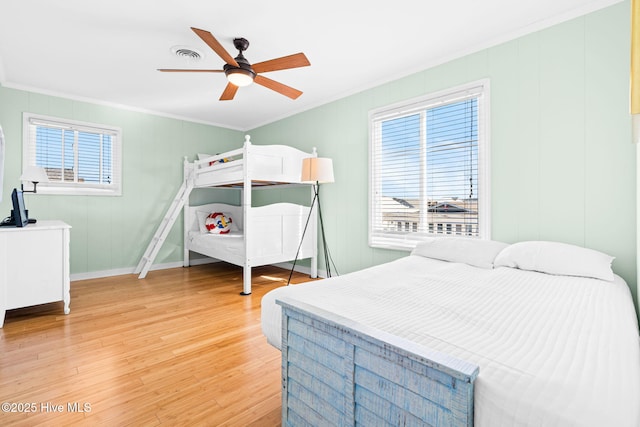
(211, 239)
(552, 350)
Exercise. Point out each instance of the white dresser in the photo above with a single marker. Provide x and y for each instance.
(34, 265)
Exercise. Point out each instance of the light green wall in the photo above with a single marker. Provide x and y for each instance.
(111, 233)
(563, 166)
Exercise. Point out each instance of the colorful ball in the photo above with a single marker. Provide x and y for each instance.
(217, 223)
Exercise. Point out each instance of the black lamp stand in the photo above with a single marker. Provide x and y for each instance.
(328, 261)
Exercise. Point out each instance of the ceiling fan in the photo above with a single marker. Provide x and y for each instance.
(240, 72)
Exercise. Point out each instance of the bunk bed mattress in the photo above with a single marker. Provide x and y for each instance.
(552, 350)
(212, 239)
(232, 241)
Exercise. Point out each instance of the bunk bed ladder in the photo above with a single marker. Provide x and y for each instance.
(163, 229)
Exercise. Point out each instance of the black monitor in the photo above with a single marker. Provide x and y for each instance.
(19, 211)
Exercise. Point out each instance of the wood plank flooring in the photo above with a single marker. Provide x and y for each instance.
(180, 347)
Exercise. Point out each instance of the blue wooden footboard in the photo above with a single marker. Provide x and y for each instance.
(336, 372)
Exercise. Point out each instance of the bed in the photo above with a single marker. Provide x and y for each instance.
(461, 332)
(255, 236)
(276, 234)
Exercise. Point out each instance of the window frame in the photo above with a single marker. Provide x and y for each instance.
(408, 240)
(73, 188)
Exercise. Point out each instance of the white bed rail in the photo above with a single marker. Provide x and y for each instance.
(261, 164)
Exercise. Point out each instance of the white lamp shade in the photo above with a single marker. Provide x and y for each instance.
(317, 169)
(34, 174)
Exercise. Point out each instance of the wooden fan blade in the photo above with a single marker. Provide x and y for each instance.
(229, 92)
(173, 70)
(291, 61)
(278, 87)
(211, 41)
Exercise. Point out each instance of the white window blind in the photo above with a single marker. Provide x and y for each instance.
(428, 168)
(79, 158)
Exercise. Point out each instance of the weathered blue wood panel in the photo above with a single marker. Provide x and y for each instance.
(337, 372)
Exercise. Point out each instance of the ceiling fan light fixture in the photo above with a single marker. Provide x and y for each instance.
(239, 76)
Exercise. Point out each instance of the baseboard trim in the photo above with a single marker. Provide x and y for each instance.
(197, 261)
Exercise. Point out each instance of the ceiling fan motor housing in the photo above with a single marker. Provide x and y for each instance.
(244, 67)
(241, 44)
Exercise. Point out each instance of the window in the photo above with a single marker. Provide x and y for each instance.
(79, 158)
(429, 166)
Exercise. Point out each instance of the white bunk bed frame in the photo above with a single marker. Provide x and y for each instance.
(271, 234)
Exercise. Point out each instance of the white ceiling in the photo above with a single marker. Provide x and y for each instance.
(108, 51)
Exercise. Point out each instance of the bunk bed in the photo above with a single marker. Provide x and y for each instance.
(461, 333)
(257, 236)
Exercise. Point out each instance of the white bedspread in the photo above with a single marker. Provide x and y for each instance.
(552, 350)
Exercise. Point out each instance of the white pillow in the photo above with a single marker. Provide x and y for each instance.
(202, 217)
(476, 252)
(557, 258)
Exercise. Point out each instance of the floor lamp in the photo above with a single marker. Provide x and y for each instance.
(316, 171)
